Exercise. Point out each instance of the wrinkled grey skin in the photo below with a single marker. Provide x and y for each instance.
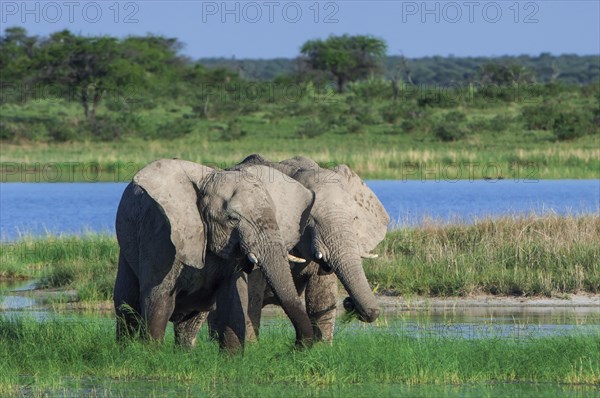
(185, 234)
(346, 222)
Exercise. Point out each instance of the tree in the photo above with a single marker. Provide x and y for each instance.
(83, 63)
(17, 49)
(505, 74)
(347, 58)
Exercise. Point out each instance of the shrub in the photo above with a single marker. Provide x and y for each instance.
(63, 133)
(310, 128)
(455, 117)
(391, 113)
(174, 128)
(540, 116)
(371, 88)
(449, 132)
(572, 124)
(233, 131)
(365, 114)
(353, 126)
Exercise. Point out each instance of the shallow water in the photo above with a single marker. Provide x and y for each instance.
(58, 208)
(463, 323)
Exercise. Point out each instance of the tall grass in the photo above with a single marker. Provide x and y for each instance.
(87, 263)
(524, 256)
(56, 353)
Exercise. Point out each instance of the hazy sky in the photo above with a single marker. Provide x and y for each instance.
(268, 29)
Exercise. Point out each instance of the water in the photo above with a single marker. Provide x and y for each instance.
(21, 299)
(67, 208)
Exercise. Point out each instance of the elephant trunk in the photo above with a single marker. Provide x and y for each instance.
(349, 270)
(276, 269)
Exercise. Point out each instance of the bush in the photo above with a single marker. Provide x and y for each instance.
(364, 114)
(540, 116)
(455, 117)
(391, 113)
(63, 133)
(175, 128)
(310, 128)
(573, 124)
(353, 126)
(371, 89)
(449, 132)
(233, 131)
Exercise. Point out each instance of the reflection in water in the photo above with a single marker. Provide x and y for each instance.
(468, 323)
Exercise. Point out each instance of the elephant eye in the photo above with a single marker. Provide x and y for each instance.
(233, 218)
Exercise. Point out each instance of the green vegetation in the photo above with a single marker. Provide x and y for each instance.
(347, 58)
(529, 256)
(86, 264)
(97, 109)
(62, 355)
(523, 256)
(569, 69)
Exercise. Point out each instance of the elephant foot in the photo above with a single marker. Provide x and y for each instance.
(186, 330)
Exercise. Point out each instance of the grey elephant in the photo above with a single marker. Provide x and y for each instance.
(346, 223)
(188, 235)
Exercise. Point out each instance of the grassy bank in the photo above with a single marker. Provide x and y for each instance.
(67, 355)
(528, 256)
(379, 138)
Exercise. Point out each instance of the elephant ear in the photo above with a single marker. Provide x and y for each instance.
(371, 218)
(300, 164)
(293, 202)
(173, 184)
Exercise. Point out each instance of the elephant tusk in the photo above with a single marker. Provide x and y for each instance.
(252, 258)
(295, 259)
(319, 255)
(369, 255)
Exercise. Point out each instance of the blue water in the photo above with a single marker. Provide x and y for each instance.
(40, 208)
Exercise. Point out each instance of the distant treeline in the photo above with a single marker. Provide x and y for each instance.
(568, 68)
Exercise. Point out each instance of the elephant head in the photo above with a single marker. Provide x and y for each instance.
(347, 222)
(245, 221)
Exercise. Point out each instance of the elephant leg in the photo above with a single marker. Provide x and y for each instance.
(186, 330)
(232, 310)
(257, 283)
(157, 308)
(213, 325)
(126, 301)
(321, 301)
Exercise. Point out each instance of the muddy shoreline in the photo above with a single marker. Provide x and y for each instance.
(579, 302)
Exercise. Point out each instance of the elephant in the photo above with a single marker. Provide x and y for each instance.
(188, 235)
(346, 223)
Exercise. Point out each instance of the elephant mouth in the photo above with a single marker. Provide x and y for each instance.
(324, 268)
(369, 315)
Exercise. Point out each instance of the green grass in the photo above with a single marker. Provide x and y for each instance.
(54, 354)
(328, 132)
(524, 256)
(87, 263)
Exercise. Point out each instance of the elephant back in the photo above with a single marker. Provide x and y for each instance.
(172, 183)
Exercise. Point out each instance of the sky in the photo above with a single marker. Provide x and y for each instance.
(270, 29)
